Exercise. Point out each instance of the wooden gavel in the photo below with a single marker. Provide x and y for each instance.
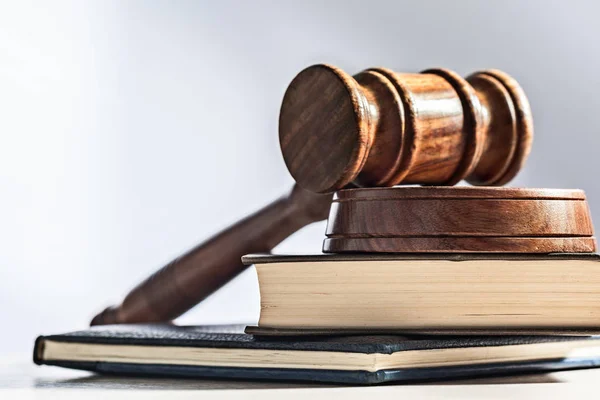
(381, 128)
(378, 128)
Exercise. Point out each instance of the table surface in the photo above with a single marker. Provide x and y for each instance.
(20, 377)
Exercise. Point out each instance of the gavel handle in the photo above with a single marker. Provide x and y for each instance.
(189, 279)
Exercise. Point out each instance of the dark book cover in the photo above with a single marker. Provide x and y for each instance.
(528, 357)
(250, 259)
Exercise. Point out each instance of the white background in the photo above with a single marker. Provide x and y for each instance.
(130, 130)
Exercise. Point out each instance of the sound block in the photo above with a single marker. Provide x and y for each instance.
(459, 219)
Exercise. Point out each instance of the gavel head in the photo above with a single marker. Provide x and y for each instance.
(381, 128)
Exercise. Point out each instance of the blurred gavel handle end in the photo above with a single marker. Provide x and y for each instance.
(106, 317)
(189, 279)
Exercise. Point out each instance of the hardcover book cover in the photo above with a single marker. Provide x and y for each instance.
(227, 352)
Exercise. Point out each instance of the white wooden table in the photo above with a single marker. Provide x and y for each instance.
(20, 378)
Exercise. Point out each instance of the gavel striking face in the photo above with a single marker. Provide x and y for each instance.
(381, 128)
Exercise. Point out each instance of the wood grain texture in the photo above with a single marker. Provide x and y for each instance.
(522, 123)
(461, 244)
(459, 192)
(437, 126)
(446, 219)
(387, 146)
(499, 150)
(327, 102)
(472, 129)
(382, 128)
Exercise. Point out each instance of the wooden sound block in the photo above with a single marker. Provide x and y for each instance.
(459, 219)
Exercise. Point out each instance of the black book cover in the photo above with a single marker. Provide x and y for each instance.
(232, 337)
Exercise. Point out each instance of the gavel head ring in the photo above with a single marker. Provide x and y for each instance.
(382, 128)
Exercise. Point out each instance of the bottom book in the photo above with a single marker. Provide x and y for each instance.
(227, 352)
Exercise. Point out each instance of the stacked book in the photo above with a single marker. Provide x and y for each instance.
(369, 316)
(369, 319)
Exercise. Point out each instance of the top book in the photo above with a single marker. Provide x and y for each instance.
(464, 292)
